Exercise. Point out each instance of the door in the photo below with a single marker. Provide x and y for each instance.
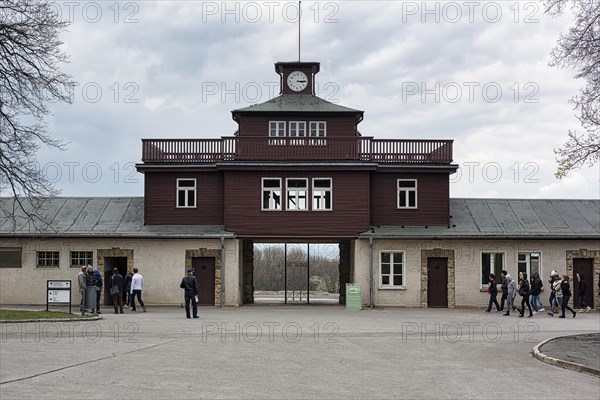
(119, 263)
(583, 266)
(204, 271)
(437, 282)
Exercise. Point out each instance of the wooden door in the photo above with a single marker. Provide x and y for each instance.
(583, 266)
(204, 271)
(437, 282)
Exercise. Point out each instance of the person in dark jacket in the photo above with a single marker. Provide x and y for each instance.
(524, 292)
(536, 290)
(552, 299)
(126, 287)
(493, 291)
(566, 295)
(98, 283)
(116, 290)
(504, 287)
(190, 286)
(581, 292)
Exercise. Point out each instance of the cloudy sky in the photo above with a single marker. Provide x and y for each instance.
(474, 72)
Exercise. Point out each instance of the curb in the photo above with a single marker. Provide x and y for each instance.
(16, 321)
(573, 366)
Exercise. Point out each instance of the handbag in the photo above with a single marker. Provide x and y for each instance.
(114, 290)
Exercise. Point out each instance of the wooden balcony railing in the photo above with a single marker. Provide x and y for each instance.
(296, 149)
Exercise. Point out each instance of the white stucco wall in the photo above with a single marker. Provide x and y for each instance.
(161, 262)
(467, 253)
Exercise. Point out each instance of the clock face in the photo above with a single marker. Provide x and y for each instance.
(297, 81)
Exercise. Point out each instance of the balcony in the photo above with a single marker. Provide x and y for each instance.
(181, 151)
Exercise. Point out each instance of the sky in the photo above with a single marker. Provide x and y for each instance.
(474, 72)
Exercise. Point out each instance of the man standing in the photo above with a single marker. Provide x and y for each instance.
(190, 286)
(81, 281)
(116, 290)
(137, 282)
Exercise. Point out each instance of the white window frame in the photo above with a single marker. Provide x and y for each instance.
(297, 127)
(528, 262)
(272, 191)
(322, 197)
(295, 194)
(392, 273)
(38, 257)
(186, 190)
(277, 129)
(492, 266)
(319, 132)
(406, 194)
(88, 261)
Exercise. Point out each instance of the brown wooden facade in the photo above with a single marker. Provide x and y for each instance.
(364, 172)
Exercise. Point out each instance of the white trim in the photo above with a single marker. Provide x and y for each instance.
(317, 129)
(303, 123)
(480, 266)
(262, 191)
(380, 277)
(408, 206)
(528, 262)
(186, 189)
(277, 128)
(312, 194)
(306, 194)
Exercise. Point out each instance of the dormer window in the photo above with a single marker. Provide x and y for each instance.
(276, 128)
(297, 129)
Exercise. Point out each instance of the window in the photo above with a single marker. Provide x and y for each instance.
(491, 263)
(47, 259)
(297, 190)
(297, 129)
(318, 129)
(529, 263)
(186, 193)
(321, 194)
(271, 194)
(10, 257)
(81, 258)
(391, 272)
(277, 130)
(407, 193)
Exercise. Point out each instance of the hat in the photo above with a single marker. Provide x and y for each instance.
(190, 270)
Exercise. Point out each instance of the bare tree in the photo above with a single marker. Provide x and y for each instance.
(30, 56)
(580, 49)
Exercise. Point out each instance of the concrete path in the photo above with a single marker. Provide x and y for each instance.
(291, 352)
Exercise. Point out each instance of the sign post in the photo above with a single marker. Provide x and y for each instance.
(58, 292)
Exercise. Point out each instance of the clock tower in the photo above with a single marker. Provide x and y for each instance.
(297, 77)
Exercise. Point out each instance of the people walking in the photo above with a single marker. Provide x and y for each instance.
(116, 290)
(553, 301)
(504, 288)
(190, 287)
(126, 289)
(137, 283)
(536, 290)
(581, 292)
(493, 292)
(524, 292)
(566, 295)
(511, 294)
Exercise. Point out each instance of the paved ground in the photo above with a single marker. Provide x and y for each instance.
(292, 352)
(581, 349)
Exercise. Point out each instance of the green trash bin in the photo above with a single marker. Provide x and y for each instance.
(354, 296)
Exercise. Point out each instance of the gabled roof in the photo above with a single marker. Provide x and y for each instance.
(296, 103)
(97, 217)
(507, 219)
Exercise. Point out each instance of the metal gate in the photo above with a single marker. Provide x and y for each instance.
(297, 268)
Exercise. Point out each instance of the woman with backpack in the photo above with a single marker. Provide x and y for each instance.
(524, 292)
(566, 295)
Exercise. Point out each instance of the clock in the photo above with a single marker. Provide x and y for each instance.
(297, 81)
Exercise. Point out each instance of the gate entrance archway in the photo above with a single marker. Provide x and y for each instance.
(296, 273)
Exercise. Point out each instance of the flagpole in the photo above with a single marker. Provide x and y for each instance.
(299, 19)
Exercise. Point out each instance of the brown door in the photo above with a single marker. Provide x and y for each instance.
(583, 266)
(204, 271)
(437, 282)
